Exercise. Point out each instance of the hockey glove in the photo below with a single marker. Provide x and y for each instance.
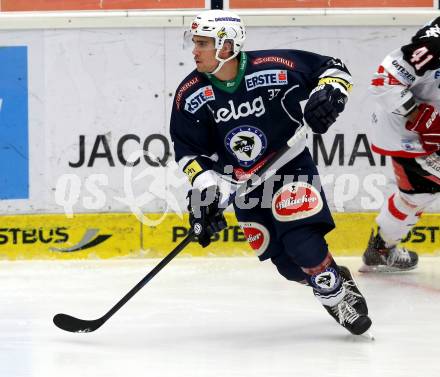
(427, 125)
(323, 107)
(204, 215)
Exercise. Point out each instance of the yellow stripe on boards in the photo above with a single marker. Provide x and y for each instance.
(56, 236)
(110, 235)
(350, 237)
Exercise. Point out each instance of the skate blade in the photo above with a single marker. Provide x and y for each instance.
(382, 268)
(368, 335)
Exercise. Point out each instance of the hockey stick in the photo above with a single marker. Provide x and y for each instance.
(68, 323)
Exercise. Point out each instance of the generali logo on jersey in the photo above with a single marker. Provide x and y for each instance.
(196, 100)
(224, 114)
(257, 235)
(296, 201)
(266, 78)
(183, 89)
(274, 59)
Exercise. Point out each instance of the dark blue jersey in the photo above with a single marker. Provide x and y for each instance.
(244, 120)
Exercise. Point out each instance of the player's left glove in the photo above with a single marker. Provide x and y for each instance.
(205, 217)
(323, 107)
(427, 125)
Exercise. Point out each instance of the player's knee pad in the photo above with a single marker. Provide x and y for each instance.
(306, 246)
(287, 268)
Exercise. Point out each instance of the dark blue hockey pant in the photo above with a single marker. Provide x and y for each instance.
(290, 221)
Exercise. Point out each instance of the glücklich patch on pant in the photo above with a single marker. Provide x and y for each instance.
(257, 235)
(297, 200)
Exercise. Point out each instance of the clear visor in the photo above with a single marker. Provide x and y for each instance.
(201, 43)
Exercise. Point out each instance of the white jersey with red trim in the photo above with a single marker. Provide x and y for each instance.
(407, 76)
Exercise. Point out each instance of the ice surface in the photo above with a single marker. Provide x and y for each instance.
(211, 317)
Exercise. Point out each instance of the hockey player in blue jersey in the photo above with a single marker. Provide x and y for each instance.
(231, 114)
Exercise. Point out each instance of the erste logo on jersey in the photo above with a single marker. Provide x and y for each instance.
(297, 200)
(266, 78)
(246, 143)
(257, 235)
(196, 100)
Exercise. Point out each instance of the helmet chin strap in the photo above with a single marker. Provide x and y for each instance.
(221, 62)
(219, 66)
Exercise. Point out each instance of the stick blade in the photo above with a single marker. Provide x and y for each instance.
(68, 323)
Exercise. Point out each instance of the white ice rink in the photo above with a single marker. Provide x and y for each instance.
(213, 317)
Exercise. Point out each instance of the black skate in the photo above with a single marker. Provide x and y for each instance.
(356, 300)
(379, 258)
(352, 311)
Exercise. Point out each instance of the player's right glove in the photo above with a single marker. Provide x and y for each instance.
(323, 107)
(205, 217)
(427, 125)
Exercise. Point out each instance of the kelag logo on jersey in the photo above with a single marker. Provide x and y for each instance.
(266, 78)
(196, 100)
(243, 110)
(246, 143)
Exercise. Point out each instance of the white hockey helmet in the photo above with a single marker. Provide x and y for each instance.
(222, 26)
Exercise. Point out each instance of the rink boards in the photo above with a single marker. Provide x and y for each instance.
(113, 235)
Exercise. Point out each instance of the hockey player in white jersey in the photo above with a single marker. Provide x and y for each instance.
(406, 126)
